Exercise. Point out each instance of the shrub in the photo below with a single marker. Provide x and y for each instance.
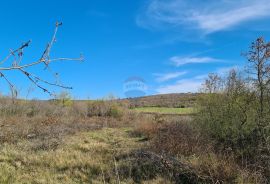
(115, 111)
(64, 99)
(97, 108)
(180, 138)
(230, 116)
(146, 126)
(104, 109)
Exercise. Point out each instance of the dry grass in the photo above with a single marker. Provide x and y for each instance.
(81, 158)
(46, 142)
(100, 142)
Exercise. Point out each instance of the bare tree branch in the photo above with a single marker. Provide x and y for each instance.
(17, 56)
(38, 79)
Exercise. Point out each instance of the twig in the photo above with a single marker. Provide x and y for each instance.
(45, 58)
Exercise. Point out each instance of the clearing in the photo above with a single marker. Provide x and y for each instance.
(165, 110)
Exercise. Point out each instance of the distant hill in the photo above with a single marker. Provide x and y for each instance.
(165, 100)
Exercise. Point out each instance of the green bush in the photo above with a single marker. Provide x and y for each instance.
(226, 121)
(115, 111)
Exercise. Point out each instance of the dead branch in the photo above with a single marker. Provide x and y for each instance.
(17, 56)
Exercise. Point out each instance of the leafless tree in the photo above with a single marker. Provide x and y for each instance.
(258, 58)
(14, 62)
(212, 83)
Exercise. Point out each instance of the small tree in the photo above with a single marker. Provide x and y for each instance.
(259, 70)
(13, 62)
(213, 83)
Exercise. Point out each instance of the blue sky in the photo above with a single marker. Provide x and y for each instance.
(171, 44)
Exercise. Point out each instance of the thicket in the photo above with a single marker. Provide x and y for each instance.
(235, 110)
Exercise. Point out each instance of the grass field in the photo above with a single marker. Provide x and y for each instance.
(165, 110)
(87, 157)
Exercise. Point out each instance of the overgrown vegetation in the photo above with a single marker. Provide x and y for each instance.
(46, 142)
(181, 100)
(236, 110)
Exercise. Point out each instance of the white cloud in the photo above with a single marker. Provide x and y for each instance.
(181, 86)
(193, 84)
(168, 76)
(208, 15)
(178, 61)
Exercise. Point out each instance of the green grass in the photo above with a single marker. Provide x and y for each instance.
(165, 110)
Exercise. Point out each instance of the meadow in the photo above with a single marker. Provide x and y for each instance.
(166, 110)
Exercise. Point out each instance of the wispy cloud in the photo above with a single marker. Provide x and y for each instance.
(181, 86)
(209, 15)
(179, 61)
(193, 84)
(168, 76)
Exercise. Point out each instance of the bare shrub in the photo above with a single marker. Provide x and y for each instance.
(145, 126)
(215, 168)
(104, 109)
(180, 139)
(144, 165)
